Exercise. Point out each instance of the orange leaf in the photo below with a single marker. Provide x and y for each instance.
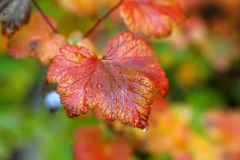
(120, 83)
(36, 40)
(91, 145)
(151, 17)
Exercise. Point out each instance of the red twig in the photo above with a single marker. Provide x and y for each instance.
(44, 16)
(101, 19)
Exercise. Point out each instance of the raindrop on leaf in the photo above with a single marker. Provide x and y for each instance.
(146, 128)
(99, 86)
(123, 76)
(86, 90)
(117, 100)
(131, 87)
(112, 46)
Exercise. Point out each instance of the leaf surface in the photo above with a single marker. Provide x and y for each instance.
(35, 40)
(13, 14)
(151, 17)
(120, 83)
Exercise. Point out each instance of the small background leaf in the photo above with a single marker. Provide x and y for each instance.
(152, 17)
(35, 40)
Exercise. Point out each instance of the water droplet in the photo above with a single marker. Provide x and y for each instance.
(79, 56)
(131, 86)
(86, 90)
(123, 76)
(99, 86)
(126, 100)
(112, 46)
(117, 100)
(146, 128)
(140, 79)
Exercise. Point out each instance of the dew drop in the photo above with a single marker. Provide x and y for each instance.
(146, 128)
(117, 100)
(131, 86)
(87, 90)
(112, 46)
(152, 66)
(79, 56)
(99, 86)
(123, 76)
(141, 80)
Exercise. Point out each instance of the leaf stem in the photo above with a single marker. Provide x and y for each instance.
(44, 16)
(101, 19)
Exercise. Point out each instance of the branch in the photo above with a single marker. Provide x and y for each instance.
(44, 16)
(101, 19)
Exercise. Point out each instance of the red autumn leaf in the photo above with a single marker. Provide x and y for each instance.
(13, 14)
(120, 83)
(151, 17)
(91, 145)
(34, 40)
